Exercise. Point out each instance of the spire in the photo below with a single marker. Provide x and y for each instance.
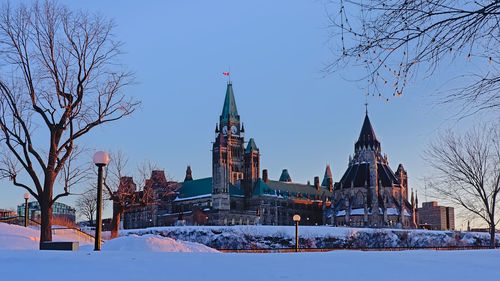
(416, 199)
(251, 146)
(367, 136)
(216, 128)
(412, 198)
(229, 111)
(188, 177)
(328, 175)
(285, 176)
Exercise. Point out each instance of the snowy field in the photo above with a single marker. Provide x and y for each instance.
(152, 257)
(338, 265)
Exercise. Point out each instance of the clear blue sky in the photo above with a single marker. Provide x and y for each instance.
(276, 50)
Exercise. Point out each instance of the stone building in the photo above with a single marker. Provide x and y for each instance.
(369, 194)
(161, 193)
(432, 216)
(236, 193)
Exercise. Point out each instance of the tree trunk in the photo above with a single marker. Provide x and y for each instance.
(115, 222)
(46, 221)
(492, 236)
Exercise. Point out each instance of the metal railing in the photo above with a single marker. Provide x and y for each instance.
(19, 220)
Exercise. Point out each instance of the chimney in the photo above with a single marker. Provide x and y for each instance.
(264, 176)
(316, 182)
(330, 184)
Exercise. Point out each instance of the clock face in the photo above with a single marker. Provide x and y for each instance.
(224, 130)
(234, 130)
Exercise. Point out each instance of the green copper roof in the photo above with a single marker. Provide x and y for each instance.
(261, 188)
(285, 176)
(251, 146)
(235, 190)
(328, 175)
(193, 188)
(288, 190)
(229, 111)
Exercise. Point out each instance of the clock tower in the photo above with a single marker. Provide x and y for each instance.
(227, 153)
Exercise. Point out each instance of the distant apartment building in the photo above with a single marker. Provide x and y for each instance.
(432, 216)
(7, 213)
(59, 210)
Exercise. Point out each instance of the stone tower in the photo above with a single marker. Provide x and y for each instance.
(252, 167)
(367, 150)
(227, 153)
(402, 177)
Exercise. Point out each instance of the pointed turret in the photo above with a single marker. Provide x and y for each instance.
(229, 111)
(220, 140)
(328, 175)
(416, 199)
(412, 199)
(189, 176)
(251, 146)
(285, 176)
(367, 137)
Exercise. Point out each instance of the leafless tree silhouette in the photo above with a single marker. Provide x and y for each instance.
(468, 171)
(391, 39)
(86, 204)
(60, 77)
(123, 191)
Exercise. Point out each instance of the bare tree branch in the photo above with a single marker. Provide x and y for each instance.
(61, 69)
(468, 171)
(391, 39)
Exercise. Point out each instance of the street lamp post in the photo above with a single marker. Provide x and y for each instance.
(296, 219)
(101, 159)
(26, 197)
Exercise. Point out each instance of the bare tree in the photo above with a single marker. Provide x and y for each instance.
(122, 190)
(391, 39)
(86, 204)
(59, 78)
(468, 171)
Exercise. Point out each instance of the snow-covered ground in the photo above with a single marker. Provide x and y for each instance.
(14, 237)
(133, 257)
(337, 265)
(151, 243)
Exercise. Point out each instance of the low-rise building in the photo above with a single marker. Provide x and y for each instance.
(7, 213)
(432, 216)
(59, 210)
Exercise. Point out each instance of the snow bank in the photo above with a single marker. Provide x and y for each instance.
(154, 243)
(275, 237)
(15, 237)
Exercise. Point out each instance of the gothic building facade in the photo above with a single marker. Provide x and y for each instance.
(369, 194)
